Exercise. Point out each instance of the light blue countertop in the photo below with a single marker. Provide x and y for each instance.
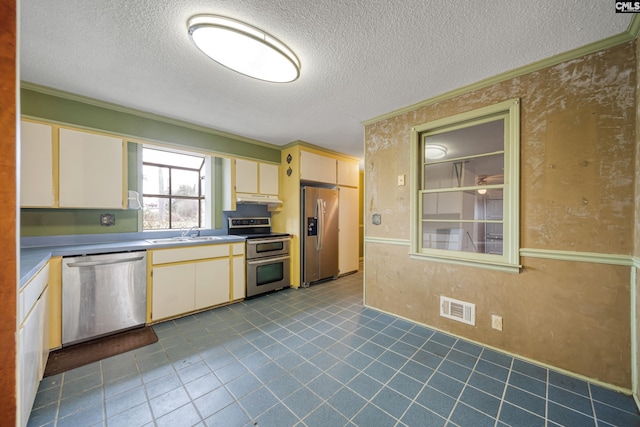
(35, 252)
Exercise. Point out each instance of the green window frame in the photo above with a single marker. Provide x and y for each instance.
(465, 202)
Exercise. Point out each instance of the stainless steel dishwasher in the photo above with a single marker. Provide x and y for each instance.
(102, 294)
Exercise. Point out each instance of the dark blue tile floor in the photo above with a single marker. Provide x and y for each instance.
(317, 357)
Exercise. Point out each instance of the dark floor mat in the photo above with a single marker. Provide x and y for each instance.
(82, 354)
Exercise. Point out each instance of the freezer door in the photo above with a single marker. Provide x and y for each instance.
(320, 242)
(329, 234)
(310, 242)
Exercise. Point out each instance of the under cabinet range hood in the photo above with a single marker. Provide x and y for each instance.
(261, 199)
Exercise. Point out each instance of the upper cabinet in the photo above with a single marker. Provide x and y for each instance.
(317, 168)
(69, 168)
(246, 176)
(91, 170)
(36, 165)
(256, 178)
(268, 179)
(348, 173)
(248, 181)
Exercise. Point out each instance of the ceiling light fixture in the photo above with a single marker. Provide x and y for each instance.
(243, 48)
(433, 151)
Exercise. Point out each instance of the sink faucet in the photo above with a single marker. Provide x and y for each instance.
(185, 233)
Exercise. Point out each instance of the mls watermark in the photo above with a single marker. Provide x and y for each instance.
(628, 7)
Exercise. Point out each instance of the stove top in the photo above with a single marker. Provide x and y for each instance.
(253, 228)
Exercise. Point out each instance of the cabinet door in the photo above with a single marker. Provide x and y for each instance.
(212, 283)
(349, 249)
(268, 179)
(314, 167)
(348, 173)
(36, 165)
(91, 170)
(44, 331)
(246, 176)
(173, 290)
(29, 354)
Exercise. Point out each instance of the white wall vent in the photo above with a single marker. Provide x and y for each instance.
(461, 311)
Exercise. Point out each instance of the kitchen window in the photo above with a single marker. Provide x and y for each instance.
(465, 194)
(173, 187)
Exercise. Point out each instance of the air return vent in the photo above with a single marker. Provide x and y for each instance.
(461, 311)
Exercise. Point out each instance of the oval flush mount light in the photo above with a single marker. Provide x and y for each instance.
(244, 48)
(433, 151)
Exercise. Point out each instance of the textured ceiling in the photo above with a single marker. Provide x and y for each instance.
(360, 58)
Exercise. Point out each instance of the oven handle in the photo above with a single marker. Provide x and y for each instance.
(267, 260)
(258, 242)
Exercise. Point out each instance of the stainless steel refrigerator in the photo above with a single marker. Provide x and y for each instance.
(319, 234)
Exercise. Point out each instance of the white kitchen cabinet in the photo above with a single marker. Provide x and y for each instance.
(246, 176)
(32, 345)
(256, 178)
(36, 165)
(173, 290)
(268, 179)
(348, 173)
(193, 278)
(348, 237)
(92, 170)
(317, 168)
(212, 283)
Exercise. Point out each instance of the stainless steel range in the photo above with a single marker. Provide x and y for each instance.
(267, 254)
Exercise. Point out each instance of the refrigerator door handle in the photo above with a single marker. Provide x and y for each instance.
(320, 216)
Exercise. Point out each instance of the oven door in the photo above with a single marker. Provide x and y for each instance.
(267, 274)
(261, 248)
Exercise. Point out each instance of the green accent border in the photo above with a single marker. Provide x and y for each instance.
(387, 241)
(611, 259)
(634, 335)
(630, 34)
(41, 103)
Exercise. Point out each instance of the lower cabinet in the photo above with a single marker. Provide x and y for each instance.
(33, 341)
(188, 279)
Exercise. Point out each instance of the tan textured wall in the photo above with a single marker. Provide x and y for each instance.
(8, 210)
(577, 194)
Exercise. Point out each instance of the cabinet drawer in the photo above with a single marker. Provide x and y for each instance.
(238, 248)
(164, 256)
(30, 293)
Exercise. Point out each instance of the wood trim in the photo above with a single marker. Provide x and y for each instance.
(9, 123)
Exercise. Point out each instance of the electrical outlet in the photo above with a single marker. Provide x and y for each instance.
(400, 180)
(496, 322)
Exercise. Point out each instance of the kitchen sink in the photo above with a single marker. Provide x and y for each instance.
(180, 239)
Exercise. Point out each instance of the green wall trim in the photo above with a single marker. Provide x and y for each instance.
(612, 259)
(387, 241)
(634, 336)
(48, 104)
(593, 257)
(624, 37)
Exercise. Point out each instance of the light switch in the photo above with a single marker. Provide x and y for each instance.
(400, 180)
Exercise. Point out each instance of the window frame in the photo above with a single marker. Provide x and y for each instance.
(510, 259)
(201, 198)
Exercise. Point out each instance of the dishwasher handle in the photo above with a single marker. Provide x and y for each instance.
(104, 262)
